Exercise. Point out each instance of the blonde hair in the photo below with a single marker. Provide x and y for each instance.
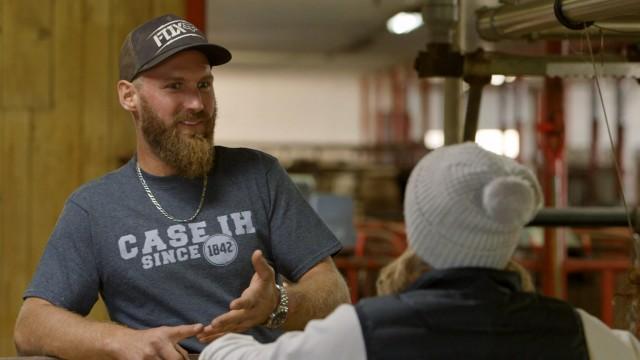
(405, 270)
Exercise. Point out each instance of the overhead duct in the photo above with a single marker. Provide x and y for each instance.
(511, 21)
(619, 29)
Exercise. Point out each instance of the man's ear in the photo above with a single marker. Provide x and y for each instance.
(128, 95)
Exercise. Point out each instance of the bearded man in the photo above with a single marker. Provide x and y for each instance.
(184, 242)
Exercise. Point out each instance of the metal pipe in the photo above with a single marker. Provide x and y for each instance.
(453, 87)
(473, 107)
(473, 113)
(509, 21)
(451, 125)
(440, 18)
(549, 65)
(623, 29)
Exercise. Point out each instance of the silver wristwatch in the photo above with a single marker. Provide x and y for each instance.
(279, 315)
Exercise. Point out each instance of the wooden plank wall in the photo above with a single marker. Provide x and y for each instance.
(60, 122)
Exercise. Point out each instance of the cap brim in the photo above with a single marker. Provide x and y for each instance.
(216, 54)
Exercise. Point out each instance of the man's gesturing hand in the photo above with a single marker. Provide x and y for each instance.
(154, 343)
(252, 308)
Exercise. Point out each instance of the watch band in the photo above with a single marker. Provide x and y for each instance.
(279, 315)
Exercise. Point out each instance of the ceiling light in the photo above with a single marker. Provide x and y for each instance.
(433, 139)
(497, 80)
(509, 79)
(404, 22)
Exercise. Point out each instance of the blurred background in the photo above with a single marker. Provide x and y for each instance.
(348, 101)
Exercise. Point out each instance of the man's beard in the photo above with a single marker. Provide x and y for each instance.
(190, 155)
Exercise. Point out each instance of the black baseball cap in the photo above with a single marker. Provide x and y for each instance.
(158, 39)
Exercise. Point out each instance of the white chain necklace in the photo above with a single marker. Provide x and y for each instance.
(159, 207)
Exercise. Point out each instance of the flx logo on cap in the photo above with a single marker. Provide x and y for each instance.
(157, 39)
(173, 31)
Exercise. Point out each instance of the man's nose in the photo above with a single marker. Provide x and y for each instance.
(194, 101)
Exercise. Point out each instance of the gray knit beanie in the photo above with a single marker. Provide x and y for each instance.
(465, 206)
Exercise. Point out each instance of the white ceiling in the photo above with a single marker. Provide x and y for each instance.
(312, 32)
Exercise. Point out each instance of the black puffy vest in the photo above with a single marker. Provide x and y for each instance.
(470, 313)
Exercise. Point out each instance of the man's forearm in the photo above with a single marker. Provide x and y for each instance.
(316, 295)
(45, 329)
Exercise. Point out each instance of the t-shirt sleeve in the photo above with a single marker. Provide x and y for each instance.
(299, 238)
(67, 274)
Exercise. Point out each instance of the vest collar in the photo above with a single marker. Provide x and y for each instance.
(465, 278)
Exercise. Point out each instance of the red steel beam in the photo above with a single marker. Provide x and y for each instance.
(196, 14)
(551, 137)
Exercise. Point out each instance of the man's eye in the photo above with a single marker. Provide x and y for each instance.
(204, 85)
(174, 86)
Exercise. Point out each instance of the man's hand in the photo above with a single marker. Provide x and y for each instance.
(252, 308)
(45, 329)
(154, 343)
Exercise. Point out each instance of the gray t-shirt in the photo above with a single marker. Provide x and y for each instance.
(151, 271)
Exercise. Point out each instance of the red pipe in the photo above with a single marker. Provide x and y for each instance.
(380, 123)
(365, 110)
(606, 305)
(592, 198)
(619, 141)
(551, 136)
(424, 107)
(596, 265)
(196, 14)
(518, 99)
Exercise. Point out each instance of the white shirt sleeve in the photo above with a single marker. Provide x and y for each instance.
(606, 343)
(338, 336)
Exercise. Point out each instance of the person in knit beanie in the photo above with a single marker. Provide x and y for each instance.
(466, 206)
(455, 293)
